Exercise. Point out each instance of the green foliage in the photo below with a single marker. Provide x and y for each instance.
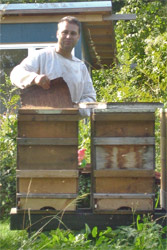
(11, 239)
(9, 96)
(84, 188)
(153, 68)
(146, 234)
(121, 85)
(84, 137)
(8, 132)
(131, 36)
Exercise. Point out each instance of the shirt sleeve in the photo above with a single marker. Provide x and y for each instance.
(24, 73)
(89, 94)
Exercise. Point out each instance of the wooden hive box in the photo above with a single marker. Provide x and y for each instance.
(123, 157)
(47, 175)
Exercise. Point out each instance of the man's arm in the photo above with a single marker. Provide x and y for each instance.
(26, 74)
(89, 94)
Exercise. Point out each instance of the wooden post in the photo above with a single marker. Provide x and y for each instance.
(163, 191)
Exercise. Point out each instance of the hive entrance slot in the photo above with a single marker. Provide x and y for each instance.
(47, 208)
(124, 208)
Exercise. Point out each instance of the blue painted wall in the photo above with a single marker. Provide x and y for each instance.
(31, 33)
(28, 32)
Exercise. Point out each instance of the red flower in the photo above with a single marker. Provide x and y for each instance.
(81, 155)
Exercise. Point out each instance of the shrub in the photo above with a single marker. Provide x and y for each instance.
(8, 132)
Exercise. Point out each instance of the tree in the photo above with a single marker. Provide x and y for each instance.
(142, 55)
(150, 20)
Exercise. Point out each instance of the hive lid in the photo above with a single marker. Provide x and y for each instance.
(57, 96)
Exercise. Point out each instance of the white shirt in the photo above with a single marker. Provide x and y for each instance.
(48, 62)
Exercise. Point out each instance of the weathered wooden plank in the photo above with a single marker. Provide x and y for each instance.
(122, 185)
(47, 157)
(126, 173)
(47, 141)
(124, 128)
(132, 107)
(47, 173)
(125, 157)
(116, 17)
(163, 147)
(47, 185)
(123, 196)
(47, 111)
(124, 116)
(51, 129)
(46, 196)
(124, 141)
(40, 204)
(48, 118)
(50, 18)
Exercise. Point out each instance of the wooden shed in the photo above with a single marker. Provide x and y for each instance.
(34, 25)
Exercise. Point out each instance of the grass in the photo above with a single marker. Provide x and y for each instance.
(11, 239)
(146, 234)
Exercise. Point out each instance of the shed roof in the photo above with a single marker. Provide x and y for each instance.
(56, 7)
(96, 19)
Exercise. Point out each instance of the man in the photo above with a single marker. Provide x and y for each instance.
(51, 63)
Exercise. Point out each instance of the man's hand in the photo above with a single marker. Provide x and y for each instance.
(43, 81)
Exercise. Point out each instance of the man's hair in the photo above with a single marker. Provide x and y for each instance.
(72, 20)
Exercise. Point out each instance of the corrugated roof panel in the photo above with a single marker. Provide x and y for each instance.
(54, 7)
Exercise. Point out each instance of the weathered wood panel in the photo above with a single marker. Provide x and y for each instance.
(163, 146)
(110, 115)
(47, 157)
(47, 141)
(124, 185)
(46, 129)
(124, 141)
(126, 173)
(47, 173)
(47, 117)
(46, 196)
(48, 185)
(47, 111)
(124, 129)
(125, 157)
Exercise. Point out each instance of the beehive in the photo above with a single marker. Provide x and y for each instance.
(47, 175)
(123, 157)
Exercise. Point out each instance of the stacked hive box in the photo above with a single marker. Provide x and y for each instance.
(123, 158)
(47, 175)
